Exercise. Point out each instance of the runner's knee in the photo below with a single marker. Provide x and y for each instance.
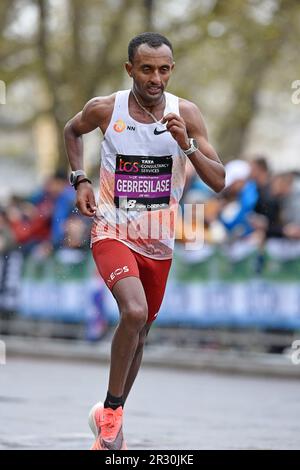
(134, 315)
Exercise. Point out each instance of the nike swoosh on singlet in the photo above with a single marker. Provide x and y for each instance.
(156, 132)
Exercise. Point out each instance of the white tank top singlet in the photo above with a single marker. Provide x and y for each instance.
(142, 176)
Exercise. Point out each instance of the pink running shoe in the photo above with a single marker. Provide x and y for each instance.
(106, 425)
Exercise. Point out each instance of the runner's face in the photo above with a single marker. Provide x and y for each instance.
(151, 70)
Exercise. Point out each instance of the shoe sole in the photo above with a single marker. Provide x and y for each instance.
(91, 420)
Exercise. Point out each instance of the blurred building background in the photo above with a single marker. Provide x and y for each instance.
(239, 62)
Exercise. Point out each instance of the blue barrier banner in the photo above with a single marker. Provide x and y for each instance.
(58, 287)
(231, 286)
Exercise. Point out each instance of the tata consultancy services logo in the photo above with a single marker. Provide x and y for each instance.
(119, 125)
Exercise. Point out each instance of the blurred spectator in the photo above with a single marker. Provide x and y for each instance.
(61, 196)
(7, 238)
(29, 223)
(277, 209)
(266, 217)
(281, 185)
(239, 199)
(291, 208)
(260, 173)
(40, 219)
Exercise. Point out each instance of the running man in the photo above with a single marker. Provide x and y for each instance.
(148, 135)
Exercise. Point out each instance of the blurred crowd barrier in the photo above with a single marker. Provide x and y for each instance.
(63, 287)
(236, 285)
(232, 286)
(246, 274)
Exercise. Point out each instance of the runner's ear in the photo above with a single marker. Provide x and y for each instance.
(128, 67)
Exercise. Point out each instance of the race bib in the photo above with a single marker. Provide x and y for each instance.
(143, 183)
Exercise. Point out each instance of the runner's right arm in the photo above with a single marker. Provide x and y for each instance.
(95, 114)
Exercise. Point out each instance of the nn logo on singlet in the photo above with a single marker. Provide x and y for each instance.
(120, 126)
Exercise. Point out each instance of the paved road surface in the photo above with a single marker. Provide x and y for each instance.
(44, 405)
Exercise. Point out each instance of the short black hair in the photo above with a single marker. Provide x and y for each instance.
(151, 39)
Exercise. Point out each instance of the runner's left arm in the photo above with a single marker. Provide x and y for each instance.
(205, 160)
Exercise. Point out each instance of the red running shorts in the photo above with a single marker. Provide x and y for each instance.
(115, 261)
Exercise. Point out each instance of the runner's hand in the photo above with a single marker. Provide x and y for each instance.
(85, 201)
(176, 126)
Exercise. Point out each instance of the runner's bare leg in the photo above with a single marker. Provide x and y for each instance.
(131, 299)
(136, 362)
